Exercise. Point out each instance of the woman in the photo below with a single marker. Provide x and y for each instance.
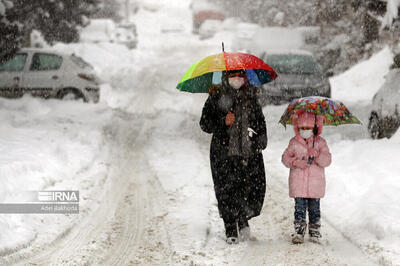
(234, 117)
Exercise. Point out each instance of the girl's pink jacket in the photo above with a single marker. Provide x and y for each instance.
(308, 182)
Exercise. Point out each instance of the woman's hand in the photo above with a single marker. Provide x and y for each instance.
(229, 119)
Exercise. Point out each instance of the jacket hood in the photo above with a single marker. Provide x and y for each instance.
(303, 118)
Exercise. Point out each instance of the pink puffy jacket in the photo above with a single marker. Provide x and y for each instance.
(308, 182)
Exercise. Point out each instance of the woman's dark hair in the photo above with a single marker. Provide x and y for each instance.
(240, 71)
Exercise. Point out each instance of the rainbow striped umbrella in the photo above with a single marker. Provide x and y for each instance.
(202, 74)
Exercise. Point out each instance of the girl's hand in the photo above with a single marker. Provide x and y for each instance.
(313, 152)
(302, 164)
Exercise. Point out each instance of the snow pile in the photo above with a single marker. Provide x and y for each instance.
(363, 80)
(51, 145)
(391, 13)
(371, 190)
(107, 58)
(4, 4)
(362, 191)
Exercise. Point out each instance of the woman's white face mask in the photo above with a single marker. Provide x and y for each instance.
(236, 82)
(305, 134)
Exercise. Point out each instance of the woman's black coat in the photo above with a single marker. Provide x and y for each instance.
(239, 182)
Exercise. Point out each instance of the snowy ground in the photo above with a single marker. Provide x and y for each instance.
(140, 162)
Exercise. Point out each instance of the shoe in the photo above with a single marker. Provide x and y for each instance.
(232, 240)
(299, 232)
(315, 234)
(231, 232)
(244, 230)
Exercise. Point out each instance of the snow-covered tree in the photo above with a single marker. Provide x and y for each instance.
(57, 20)
(392, 11)
(109, 9)
(10, 34)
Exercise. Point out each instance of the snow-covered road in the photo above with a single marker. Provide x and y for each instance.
(153, 202)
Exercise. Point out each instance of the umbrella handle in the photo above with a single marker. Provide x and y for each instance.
(315, 130)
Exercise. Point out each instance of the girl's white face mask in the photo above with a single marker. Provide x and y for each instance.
(305, 134)
(236, 82)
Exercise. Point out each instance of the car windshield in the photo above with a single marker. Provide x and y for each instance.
(293, 64)
(16, 63)
(80, 62)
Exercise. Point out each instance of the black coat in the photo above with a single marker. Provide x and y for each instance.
(239, 182)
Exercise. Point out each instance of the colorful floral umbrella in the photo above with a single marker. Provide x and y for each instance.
(335, 112)
(202, 74)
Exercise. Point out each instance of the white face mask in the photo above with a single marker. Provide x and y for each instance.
(236, 82)
(305, 134)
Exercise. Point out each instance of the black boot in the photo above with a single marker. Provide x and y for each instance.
(244, 230)
(231, 232)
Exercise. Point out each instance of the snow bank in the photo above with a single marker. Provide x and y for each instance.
(363, 191)
(106, 58)
(391, 13)
(48, 145)
(363, 80)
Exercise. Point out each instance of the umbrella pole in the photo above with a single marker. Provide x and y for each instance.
(223, 47)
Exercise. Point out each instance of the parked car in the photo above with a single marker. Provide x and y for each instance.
(48, 74)
(384, 119)
(299, 75)
(203, 10)
(105, 30)
(282, 38)
(244, 35)
(209, 28)
(128, 35)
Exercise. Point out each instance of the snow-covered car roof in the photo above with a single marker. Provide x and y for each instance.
(287, 51)
(98, 30)
(39, 50)
(201, 5)
(269, 38)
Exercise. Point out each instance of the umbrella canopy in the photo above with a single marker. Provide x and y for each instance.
(334, 112)
(202, 74)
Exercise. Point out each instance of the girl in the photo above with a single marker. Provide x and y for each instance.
(307, 155)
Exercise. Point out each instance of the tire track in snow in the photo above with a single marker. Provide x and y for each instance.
(114, 234)
(83, 238)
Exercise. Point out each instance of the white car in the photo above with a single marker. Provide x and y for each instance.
(209, 28)
(245, 33)
(126, 33)
(106, 31)
(48, 74)
(384, 119)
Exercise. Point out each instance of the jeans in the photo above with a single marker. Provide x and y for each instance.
(301, 206)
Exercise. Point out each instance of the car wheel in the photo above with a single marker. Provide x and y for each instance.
(71, 94)
(374, 127)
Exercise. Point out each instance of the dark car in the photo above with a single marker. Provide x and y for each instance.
(384, 119)
(299, 75)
